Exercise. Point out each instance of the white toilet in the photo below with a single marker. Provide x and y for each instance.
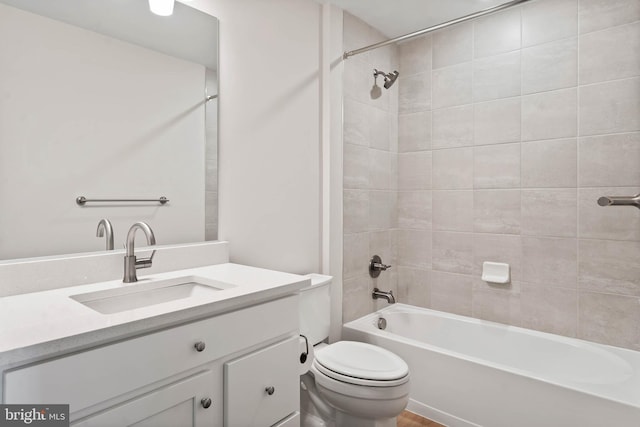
(348, 384)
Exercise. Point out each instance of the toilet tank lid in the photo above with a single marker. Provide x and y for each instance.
(317, 280)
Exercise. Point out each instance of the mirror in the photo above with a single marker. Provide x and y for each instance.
(105, 100)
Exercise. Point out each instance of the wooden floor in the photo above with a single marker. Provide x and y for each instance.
(409, 419)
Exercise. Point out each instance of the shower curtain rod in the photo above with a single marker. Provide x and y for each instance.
(433, 28)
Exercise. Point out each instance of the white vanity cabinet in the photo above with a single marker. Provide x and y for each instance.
(187, 375)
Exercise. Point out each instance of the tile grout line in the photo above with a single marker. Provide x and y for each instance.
(522, 8)
(578, 134)
(473, 157)
(605, 28)
(430, 264)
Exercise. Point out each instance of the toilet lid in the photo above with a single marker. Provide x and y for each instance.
(362, 360)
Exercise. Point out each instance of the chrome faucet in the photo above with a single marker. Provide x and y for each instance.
(105, 229)
(377, 293)
(131, 264)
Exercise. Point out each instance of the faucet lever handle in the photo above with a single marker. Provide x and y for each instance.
(145, 262)
(376, 266)
(380, 266)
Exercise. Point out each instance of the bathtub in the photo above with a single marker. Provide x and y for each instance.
(470, 372)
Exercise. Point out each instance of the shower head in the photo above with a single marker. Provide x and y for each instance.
(389, 78)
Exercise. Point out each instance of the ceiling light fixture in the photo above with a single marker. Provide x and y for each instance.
(161, 7)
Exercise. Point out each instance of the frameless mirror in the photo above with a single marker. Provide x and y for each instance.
(105, 100)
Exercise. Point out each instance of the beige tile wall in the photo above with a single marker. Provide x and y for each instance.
(535, 113)
(371, 166)
(509, 128)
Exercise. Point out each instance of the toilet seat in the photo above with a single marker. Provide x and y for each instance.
(361, 364)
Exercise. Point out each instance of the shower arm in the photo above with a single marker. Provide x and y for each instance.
(377, 73)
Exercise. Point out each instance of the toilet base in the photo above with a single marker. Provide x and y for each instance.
(309, 420)
(331, 417)
(311, 417)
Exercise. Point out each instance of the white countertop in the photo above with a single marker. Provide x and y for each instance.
(45, 324)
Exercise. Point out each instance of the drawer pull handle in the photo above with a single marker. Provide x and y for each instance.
(270, 390)
(206, 402)
(200, 346)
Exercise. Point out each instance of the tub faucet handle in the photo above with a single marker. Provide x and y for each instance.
(380, 266)
(376, 266)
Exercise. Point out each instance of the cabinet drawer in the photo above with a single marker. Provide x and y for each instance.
(262, 388)
(88, 378)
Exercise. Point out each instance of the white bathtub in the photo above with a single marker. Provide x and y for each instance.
(470, 372)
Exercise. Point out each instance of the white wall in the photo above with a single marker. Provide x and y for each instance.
(335, 71)
(84, 114)
(269, 169)
(187, 35)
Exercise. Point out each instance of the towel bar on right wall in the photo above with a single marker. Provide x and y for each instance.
(620, 201)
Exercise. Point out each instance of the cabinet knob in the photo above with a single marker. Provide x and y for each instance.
(270, 390)
(206, 402)
(200, 345)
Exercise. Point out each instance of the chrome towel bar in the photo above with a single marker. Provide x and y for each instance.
(620, 201)
(81, 200)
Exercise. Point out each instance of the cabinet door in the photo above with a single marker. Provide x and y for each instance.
(262, 388)
(176, 404)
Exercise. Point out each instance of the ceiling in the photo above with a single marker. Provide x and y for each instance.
(398, 17)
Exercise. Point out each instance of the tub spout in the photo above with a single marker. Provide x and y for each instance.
(377, 293)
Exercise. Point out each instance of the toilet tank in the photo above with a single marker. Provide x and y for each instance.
(315, 308)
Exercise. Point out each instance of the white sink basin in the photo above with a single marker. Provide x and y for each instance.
(144, 294)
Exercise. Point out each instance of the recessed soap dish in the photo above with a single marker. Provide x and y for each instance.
(496, 272)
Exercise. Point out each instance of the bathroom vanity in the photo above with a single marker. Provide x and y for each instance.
(206, 356)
